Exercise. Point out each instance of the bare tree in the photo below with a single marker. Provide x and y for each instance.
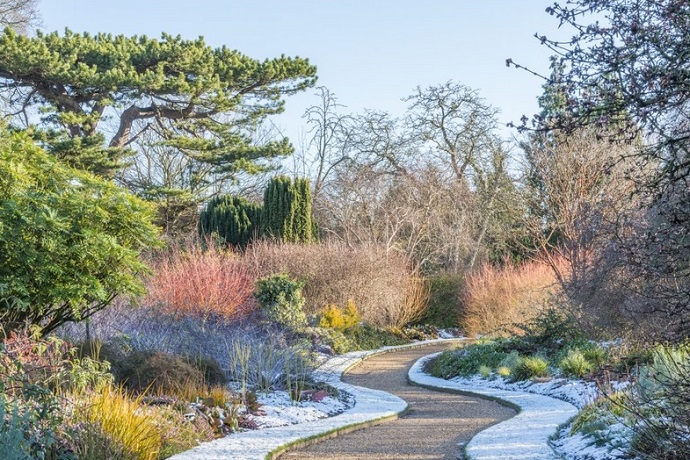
(431, 183)
(580, 199)
(327, 145)
(20, 15)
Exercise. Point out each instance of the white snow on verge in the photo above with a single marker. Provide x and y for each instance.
(525, 436)
(370, 405)
(277, 409)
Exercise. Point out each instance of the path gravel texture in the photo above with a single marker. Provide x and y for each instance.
(432, 429)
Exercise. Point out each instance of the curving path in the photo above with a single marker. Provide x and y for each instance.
(432, 429)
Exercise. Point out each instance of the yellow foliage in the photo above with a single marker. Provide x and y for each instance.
(335, 318)
(351, 314)
(122, 419)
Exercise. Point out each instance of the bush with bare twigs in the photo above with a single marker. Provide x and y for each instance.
(495, 298)
(201, 283)
(387, 291)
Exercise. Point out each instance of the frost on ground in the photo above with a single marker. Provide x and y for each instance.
(609, 444)
(278, 410)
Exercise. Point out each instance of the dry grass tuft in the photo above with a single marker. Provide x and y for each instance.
(123, 419)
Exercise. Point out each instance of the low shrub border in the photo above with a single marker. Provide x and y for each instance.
(524, 436)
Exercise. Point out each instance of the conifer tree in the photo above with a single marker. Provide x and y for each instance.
(233, 219)
(199, 100)
(287, 210)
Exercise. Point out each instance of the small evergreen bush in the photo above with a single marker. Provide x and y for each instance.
(281, 300)
(233, 219)
(335, 318)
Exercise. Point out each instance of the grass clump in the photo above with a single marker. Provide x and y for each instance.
(123, 420)
(503, 371)
(531, 367)
(575, 364)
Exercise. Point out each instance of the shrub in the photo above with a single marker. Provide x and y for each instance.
(281, 300)
(444, 295)
(467, 361)
(387, 292)
(367, 337)
(202, 284)
(263, 365)
(531, 367)
(335, 318)
(286, 214)
(496, 298)
(575, 364)
(156, 372)
(14, 443)
(69, 242)
(485, 371)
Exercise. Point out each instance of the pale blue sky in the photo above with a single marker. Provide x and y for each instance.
(370, 53)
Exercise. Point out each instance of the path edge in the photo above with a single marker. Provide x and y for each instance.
(349, 428)
(449, 386)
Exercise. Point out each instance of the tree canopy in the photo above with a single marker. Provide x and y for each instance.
(626, 67)
(69, 242)
(201, 100)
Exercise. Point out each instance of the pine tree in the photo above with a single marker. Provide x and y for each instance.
(202, 101)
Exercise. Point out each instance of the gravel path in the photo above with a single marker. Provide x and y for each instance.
(432, 429)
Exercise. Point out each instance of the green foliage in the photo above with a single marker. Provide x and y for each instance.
(287, 212)
(575, 364)
(14, 444)
(69, 242)
(357, 338)
(335, 318)
(188, 89)
(281, 300)
(595, 355)
(467, 361)
(531, 367)
(511, 361)
(233, 219)
(370, 338)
